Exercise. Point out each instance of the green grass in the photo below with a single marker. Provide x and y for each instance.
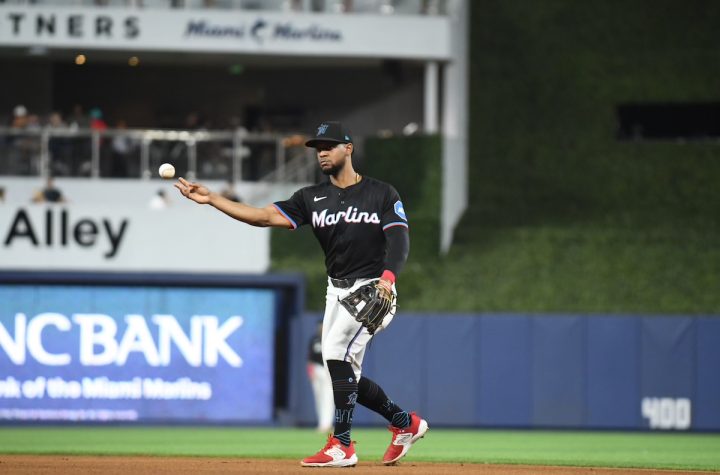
(601, 449)
(549, 268)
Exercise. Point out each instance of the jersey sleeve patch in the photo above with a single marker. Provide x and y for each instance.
(400, 210)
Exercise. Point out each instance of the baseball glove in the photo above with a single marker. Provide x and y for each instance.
(369, 305)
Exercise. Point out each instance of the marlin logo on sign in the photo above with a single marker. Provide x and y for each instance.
(257, 30)
(322, 129)
(400, 210)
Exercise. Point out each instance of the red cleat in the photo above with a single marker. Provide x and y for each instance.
(334, 454)
(404, 438)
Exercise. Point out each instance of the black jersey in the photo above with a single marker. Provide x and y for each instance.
(349, 223)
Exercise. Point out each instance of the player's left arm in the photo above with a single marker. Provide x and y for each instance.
(397, 241)
(397, 248)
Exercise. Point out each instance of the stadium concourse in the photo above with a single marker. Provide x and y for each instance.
(61, 465)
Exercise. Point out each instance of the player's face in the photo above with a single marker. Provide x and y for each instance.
(332, 156)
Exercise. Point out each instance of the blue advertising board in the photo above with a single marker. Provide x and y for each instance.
(136, 353)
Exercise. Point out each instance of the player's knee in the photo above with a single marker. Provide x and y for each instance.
(332, 352)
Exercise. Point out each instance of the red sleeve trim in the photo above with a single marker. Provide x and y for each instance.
(388, 275)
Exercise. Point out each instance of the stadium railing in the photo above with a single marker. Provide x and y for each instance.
(235, 155)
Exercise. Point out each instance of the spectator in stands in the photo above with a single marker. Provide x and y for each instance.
(78, 119)
(20, 117)
(122, 145)
(97, 124)
(234, 122)
(25, 149)
(59, 146)
(55, 121)
(49, 194)
(80, 150)
(33, 123)
(96, 120)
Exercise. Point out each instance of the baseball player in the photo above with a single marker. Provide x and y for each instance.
(361, 225)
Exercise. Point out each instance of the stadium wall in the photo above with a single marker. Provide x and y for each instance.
(539, 371)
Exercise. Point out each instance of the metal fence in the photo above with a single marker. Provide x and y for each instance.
(123, 153)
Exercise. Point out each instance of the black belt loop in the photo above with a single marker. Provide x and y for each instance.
(342, 283)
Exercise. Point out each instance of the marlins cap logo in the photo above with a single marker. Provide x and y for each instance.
(322, 129)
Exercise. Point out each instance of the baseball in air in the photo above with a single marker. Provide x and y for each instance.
(166, 170)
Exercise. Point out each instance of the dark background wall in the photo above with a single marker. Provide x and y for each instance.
(286, 97)
(28, 83)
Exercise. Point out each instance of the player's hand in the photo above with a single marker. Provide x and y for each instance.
(384, 286)
(193, 191)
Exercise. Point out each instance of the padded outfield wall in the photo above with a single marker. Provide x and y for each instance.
(164, 348)
(539, 371)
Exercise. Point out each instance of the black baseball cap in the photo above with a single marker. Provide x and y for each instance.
(330, 131)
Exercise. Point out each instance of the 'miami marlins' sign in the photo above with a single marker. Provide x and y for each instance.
(323, 34)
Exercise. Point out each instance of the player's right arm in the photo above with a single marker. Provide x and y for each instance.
(261, 217)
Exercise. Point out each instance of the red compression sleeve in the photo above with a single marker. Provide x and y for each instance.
(388, 275)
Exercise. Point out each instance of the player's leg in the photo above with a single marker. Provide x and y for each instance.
(372, 396)
(340, 331)
(345, 393)
(344, 341)
(343, 347)
(406, 427)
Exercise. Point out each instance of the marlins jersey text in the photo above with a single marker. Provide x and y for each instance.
(349, 223)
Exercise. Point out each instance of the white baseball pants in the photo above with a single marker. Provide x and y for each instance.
(343, 338)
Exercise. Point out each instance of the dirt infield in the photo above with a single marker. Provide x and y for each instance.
(61, 465)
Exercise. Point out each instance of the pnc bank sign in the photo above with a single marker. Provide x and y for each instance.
(101, 342)
(107, 352)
